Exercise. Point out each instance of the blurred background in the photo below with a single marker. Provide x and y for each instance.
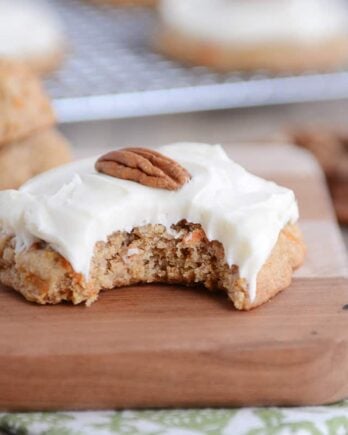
(217, 71)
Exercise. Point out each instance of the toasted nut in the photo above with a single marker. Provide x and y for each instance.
(144, 166)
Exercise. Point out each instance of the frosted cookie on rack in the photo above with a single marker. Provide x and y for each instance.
(275, 35)
(29, 143)
(184, 213)
(30, 32)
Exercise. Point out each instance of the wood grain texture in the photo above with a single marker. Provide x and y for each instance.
(164, 346)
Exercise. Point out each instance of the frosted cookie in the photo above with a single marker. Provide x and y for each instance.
(276, 35)
(30, 32)
(184, 214)
(24, 106)
(22, 160)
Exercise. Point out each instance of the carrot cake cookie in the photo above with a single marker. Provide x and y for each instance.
(275, 35)
(30, 32)
(185, 213)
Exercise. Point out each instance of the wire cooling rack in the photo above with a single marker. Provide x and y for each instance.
(111, 71)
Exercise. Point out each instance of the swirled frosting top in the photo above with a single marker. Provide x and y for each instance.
(73, 207)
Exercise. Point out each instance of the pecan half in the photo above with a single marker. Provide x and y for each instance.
(145, 166)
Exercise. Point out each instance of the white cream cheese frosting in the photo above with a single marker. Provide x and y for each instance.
(28, 29)
(256, 21)
(73, 207)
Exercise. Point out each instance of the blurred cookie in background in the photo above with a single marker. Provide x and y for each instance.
(274, 35)
(339, 189)
(29, 143)
(24, 106)
(330, 147)
(22, 160)
(31, 32)
(325, 144)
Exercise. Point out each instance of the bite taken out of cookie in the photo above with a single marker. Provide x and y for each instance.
(184, 213)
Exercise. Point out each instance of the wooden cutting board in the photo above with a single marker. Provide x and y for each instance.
(165, 346)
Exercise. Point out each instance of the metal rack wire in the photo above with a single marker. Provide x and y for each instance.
(111, 71)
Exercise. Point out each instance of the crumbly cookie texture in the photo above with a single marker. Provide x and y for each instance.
(23, 159)
(24, 107)
(148, 254)
(272, 57)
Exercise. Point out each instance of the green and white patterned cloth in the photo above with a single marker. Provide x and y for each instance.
(320, 420)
